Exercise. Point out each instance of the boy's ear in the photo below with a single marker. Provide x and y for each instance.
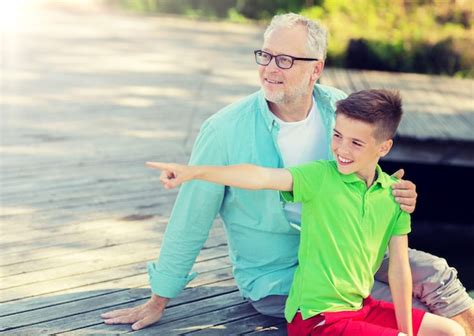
(385, 147)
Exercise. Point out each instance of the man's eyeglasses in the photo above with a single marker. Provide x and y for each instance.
(282, 61)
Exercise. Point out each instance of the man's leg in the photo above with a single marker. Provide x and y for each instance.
(436, 286)
(272, 305)
(381, 292)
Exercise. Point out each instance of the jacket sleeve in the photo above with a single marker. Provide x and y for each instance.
(194, 211)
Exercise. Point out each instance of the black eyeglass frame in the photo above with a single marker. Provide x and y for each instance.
(293, 59)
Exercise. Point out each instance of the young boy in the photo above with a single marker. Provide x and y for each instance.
(349, 217)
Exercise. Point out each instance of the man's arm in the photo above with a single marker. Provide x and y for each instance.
(399, 276)
(140, 316)
(404, 192)
(244, 176)
(193, 213)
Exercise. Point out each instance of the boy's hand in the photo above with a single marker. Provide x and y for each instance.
(404, 192)
(172, 174)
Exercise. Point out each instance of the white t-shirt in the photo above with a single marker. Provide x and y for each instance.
(300, 142)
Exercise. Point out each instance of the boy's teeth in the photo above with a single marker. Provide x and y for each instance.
(344, 160)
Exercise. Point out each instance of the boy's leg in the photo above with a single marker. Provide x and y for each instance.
(352, 328)
(272, 305)
(435, 285)
(466, 320)
(438, 325)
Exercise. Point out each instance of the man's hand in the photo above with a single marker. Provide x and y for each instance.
(172, 174)
(140, 316)
(404, 192)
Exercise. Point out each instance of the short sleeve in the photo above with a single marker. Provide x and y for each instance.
(402, 225)
(307, 181)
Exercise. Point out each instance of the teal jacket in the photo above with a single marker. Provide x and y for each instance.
(262, 245)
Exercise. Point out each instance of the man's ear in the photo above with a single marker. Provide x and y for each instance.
(385, 147)
(317, 70)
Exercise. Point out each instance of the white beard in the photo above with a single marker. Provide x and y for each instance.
(280, 97)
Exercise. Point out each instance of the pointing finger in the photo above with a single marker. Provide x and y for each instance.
(159, 165)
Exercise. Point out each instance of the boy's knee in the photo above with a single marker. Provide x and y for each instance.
(454, 329)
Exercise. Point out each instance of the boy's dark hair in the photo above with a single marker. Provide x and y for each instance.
(380, 107)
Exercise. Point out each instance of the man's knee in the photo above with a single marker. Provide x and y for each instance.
(436, 284)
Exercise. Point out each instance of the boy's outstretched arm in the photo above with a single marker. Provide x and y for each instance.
(400, 281)
(244, 176)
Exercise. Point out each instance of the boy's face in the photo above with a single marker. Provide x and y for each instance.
(355, 147)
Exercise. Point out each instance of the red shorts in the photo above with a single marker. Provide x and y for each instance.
(374, 318)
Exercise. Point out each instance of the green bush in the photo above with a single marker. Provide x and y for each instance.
(417, 36)
(376, 55)
(443, 57)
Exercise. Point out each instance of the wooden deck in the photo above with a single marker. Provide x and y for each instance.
(87, 98)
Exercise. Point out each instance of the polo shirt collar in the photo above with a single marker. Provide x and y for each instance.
(382, 178)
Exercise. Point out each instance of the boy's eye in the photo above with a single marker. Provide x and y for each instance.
(356, 143)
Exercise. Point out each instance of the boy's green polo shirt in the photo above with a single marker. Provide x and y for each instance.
(346, 228)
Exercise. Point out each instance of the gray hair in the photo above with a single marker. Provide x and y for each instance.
(317, 34)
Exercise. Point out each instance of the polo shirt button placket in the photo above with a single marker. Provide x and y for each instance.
(365, 204)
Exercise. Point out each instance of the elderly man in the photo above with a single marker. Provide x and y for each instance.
(286, 123)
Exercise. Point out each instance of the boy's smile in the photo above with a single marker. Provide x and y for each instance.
(356, 149)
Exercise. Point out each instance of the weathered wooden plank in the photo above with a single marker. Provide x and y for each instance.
(27, 260)
(123, 207)
(277, 329)
(342, 80)
(71, 278)
(198, 322)
(90, 198)
(47, 235)
(35, 194)
(327, 78)
(198, 300)
(90, 322)
(357, 80)
(110, 300)
(256, 323)
(21, 272)
(125, 277)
